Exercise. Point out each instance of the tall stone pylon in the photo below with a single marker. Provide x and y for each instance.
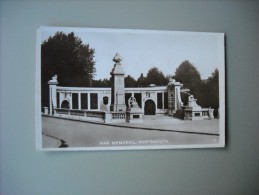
(174, 97)
(118, 93)
(53, 95)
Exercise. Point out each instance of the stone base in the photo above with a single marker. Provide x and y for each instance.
(134, 115)
(46, 110)
(198, 113)
(135, 118)
(194, 118)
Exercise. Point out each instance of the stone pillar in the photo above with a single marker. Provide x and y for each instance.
(53, 95)
(79, 101)
(178, 99)
(174, 96)
(88, 101)
(170, 101)
(118, 94)
(163, 100)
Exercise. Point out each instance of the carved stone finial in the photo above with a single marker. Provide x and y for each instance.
(117, 58)
(171, 81)
(55, 78)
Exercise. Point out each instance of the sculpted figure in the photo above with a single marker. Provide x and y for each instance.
(192, 101)
(132, 102)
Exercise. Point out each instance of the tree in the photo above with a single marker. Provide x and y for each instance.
(130, 81)
(213, 89)
(155, 76)
(141, 81)
(189, 76)
(209, 92)
(68, 57)
(101, 83)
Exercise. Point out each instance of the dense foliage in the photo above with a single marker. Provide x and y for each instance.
(154, 76)
(205, 91)
(68, 57)
(188, 75)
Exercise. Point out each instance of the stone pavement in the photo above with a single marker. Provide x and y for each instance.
(173, 124)
(91, 134)
(167, 123)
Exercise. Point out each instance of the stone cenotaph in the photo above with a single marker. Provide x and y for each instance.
(117, 93)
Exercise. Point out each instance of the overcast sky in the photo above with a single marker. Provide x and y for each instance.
(142, 50)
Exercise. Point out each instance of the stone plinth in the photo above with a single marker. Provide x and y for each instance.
(193, 113)
(197, 113)
(135, 115)
(46, 110)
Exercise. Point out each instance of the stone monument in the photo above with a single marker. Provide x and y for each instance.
(117, 94)
(194, 112)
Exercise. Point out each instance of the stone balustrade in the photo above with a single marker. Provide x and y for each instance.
(115, 117)
(80, 114)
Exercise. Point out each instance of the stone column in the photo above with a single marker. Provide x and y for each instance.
(177, 98)
(88, 101)
(170, 101)
(79, 101)
(163, 100)
(176, 95)
(118, 94)
(53, 95)
(99, 100)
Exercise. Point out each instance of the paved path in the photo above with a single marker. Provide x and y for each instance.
(173, 124)
(50, 142)
(83, 134)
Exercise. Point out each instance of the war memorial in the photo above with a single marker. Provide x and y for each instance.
(120, 104)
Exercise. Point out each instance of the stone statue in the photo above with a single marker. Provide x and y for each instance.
(192, 102)
(132, 102)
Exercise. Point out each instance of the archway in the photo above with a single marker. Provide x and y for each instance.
(150, 107)
(65, 104)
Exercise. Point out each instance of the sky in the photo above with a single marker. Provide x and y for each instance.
(142, 49)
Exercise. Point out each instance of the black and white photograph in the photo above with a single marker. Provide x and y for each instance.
(128, 89)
